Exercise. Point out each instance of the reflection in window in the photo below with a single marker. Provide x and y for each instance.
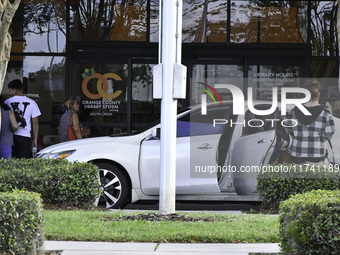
(262, 78)
(39, 26)
(323, 25)
(194, 21)
(325, 68)
(154, 21)
(108, 20)
(204, 21)
(268, 22)
(243, 22)
(144, 108)
(217, 21)
(44, 81)
(211, 75)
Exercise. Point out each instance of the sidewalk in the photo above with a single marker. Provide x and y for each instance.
(130, 248)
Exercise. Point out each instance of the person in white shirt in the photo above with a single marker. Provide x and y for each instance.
(26, 112)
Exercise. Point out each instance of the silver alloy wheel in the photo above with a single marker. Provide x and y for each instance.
(110, 189)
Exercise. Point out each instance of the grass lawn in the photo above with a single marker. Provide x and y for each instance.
(77, 225)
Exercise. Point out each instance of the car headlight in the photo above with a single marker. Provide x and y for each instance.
(56, 155)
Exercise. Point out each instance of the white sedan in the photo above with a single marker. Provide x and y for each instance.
(218, 156)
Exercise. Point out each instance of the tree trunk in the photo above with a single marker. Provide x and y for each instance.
(7, 11)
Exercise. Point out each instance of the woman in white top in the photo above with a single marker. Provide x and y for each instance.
(333, 104)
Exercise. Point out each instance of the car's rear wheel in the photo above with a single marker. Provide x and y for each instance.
(114, 187)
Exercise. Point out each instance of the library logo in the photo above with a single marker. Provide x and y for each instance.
(102, 84)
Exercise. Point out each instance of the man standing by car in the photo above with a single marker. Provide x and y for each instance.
(26, 112)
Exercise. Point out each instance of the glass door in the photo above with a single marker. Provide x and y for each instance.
(102, 91)
(205, 76)
(264, 76)
(145, 109)
(260, 74)
(115, 93)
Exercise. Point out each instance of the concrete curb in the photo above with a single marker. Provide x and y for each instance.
(130, 248)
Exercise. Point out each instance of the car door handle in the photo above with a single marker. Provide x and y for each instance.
(262, 141)
(205, 146)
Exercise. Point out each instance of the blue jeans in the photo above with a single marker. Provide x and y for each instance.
(5, 151)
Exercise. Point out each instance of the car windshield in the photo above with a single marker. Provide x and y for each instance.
(152, 124)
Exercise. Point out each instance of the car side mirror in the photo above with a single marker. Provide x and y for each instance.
(156, 132)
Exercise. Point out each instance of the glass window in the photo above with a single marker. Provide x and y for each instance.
(154, 20)
(204, 21)
(268, 22)
(244, 18)
(262, 78)
(145, 109)
(328, 72)
(195, 124)
(44, 81)
(39, 26)
(217, 21)
(194, 21)
(259, 123)
(108, 20)
(323, 26)
(203, 75)
(102, 93)
(325, 68)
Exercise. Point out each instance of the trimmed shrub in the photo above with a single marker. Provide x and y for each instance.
(59, 182)
(21, 230)
(310, 223)
(278, 185)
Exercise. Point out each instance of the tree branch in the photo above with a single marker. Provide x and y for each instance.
(3, 3)
(8, 12)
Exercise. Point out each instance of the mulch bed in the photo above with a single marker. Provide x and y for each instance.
(263, 211)
(49, 252)
(161, 217)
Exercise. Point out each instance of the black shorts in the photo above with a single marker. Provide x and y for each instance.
(297, 160)
(22, 147)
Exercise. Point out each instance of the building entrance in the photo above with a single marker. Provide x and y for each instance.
(115, 92)
(102, 92)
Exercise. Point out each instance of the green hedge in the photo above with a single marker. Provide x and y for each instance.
(21, 229)
(275, 187)
(310, 223)
(58, 181)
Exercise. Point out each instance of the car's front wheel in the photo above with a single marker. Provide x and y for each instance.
(114, 187)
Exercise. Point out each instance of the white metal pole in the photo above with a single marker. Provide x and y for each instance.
(179, 19)
(169, 44)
